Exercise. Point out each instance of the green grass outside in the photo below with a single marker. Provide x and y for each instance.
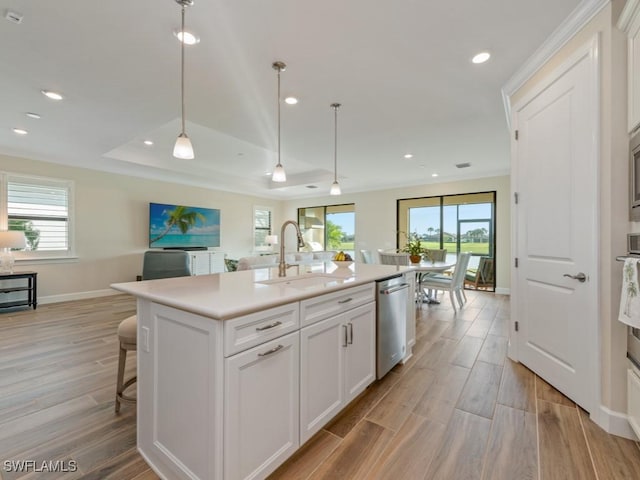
(474, 248)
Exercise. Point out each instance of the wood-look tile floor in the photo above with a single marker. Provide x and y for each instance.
(459, 409)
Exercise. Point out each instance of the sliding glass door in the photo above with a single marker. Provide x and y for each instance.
(457, 223)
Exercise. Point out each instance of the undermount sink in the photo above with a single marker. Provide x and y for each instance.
(305, 281)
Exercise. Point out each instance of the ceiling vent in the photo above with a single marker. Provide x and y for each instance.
(13, 17)
(312, 186)
(463, 165)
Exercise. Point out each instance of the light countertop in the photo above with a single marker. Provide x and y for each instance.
(222, 296)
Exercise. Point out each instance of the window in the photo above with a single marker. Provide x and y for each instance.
(457, 223)
(40, 207)
(262, 218)
(330, 227)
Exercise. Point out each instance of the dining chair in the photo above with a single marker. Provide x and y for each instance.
(155, 264)
(367, 256)
(483, 277)
(436, 254)
(453, 284)
(392, 258)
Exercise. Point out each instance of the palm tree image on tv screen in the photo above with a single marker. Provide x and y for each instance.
(179, 226)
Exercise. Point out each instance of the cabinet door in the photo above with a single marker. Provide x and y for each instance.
(261, 412)
(322, 347)
(200, 264)
(411, 315)
(360, 354)
(634, 81)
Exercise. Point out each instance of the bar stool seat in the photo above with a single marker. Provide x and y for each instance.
(128, 338)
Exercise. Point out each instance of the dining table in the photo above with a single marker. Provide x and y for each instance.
(425, 267)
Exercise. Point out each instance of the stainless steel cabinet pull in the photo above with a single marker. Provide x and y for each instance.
(346, 300)
(269, 352)
(581, 277)
(350, 333)
(346, 338)
(267, 327)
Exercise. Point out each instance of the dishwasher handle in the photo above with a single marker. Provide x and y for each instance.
(388, 291)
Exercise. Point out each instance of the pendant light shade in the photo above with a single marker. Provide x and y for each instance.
(279, 174)
(183, 148)
(335, 186)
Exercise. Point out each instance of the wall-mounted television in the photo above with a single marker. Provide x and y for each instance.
(183, 227)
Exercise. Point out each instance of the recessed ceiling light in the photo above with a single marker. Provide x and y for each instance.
(148, 142)
(52, 95)
(408, 155)
(20, 131)
(434, 174)
(291, 100)
(481, 57)
(189, 38)
(33, 115)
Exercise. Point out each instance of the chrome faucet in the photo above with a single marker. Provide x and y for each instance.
(282, 266)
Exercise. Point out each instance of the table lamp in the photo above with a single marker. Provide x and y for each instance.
(11, 239)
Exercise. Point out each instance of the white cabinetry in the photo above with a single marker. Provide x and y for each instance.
(337, 356)
(179, 392)
(410, 278)
(204, 262)
(234, 399)
(633, 399)
(261, 408)
(629, 22)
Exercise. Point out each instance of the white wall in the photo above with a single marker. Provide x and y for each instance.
(111, 226)
(376, 215)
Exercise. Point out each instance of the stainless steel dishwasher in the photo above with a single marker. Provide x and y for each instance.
(391, 310)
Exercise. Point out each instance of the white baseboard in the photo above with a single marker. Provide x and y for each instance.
(613, 422)
(76, 296)
(503, 291)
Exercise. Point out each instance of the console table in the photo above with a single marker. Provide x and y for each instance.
(17, 279)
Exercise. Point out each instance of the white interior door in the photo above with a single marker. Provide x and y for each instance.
(555, 177)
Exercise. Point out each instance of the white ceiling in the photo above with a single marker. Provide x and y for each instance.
(400, 68)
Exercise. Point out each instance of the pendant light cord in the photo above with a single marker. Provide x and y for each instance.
(279, 69)
(335, 143)
(182, 70)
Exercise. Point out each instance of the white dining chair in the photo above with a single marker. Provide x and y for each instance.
(453, 284)
(392, 258)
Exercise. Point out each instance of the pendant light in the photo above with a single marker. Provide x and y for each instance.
(183, 148)
(335, 186)
(278, 173)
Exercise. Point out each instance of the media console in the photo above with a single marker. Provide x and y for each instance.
(18, 282)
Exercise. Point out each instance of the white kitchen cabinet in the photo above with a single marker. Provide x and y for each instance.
(261, 416)
(629, 22)
(337, 362)
(633, 399)
(204, 262)
(360, 354)
(410, 278)
(180, 398)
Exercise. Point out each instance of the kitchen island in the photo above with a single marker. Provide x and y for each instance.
(237, 370)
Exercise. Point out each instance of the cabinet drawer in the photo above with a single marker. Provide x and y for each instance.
(315, 309)
(251, 330)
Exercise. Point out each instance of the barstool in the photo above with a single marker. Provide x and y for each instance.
(128, 337)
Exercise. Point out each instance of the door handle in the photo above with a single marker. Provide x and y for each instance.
(581, 277)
